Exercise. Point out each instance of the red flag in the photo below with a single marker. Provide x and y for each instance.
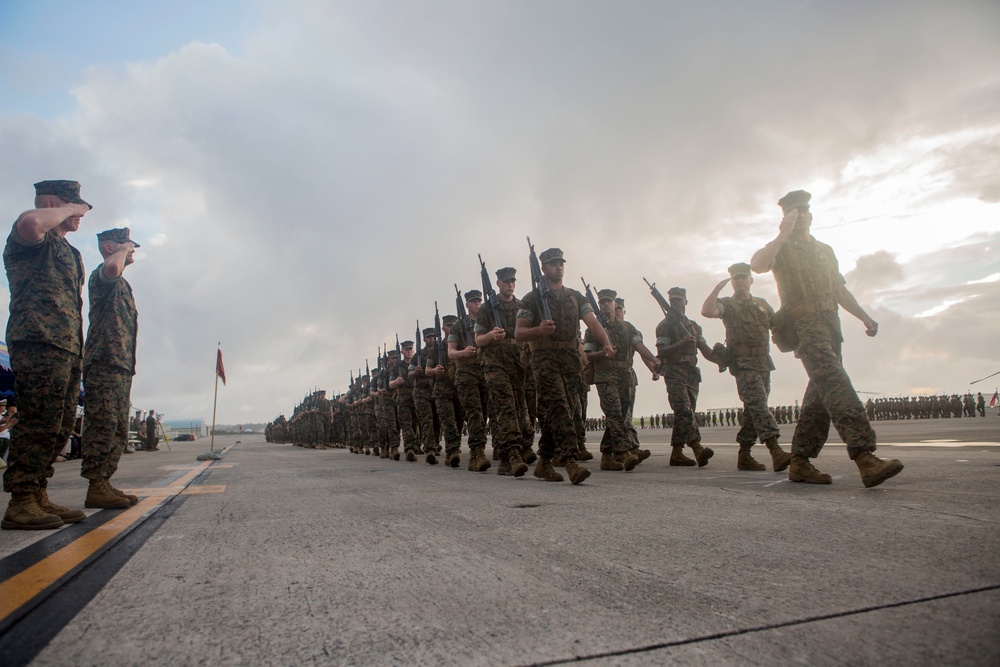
(995, 399)
(220, 370)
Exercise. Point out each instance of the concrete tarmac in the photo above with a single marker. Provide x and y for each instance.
(279, 555)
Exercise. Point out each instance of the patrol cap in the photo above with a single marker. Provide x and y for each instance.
(119, 235)
(392, 354)
(794, 199)
(449, 319)
(407, 345)
(65, 190)
(473, 295)
(739, 269)
(606, 294)
(430, 331)
(677, 293)
(620, 302)
(507, 273)
(551, 255)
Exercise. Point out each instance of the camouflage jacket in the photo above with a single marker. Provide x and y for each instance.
(748, 327)
(113, 322)
(668, 332)
(46, 292)
(624, 337)
(503, 354)
(559, 350)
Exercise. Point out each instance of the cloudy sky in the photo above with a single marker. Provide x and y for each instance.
(307, 177)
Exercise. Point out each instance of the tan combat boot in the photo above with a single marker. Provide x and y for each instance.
(395, 453)
(803, 471)
(779, 457)
(677, 457)
(503, 467)
(477, 460)
(431, 458)
(629, 460)
(643, 454)
(528, 456)
(544, 470)
(745, 461)
(23, 513)
(517, 466)
(132, 499)
(454, 459)
(701, 454)
(577, 473)
(585, 454)
(100, 496)
(610, 462)
(874, 470)
(66, 514)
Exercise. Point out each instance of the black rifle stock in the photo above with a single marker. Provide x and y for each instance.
(464, 316)
(538, 280)
(601, 317)
(490, 298)
(668, 310)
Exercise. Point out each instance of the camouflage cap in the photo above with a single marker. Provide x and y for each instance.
(677, 293)
(620, 302)
(606, 294)
(430, 331)
(473, 295)
(120, 235)
(392, 354)
(449, 319)
(507, 273)
(66, 190)
(407, 345)
(794, 199)
(551, 255)
(739, 269)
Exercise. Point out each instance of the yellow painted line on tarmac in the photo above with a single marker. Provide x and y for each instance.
(21, 588)
(207, 488)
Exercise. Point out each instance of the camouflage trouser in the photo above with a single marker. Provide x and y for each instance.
(105, 419)
(682, 382)
(614, 403)
(388, 428)
(47, 383)
(471, 390)
(370, 425)
(449, 422)
(559, 411)
(509, 410)
(829, 394)
(424, 407)
(531, 399)
(404, 413)
(753, 388)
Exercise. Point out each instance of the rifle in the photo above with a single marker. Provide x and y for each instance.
(369, 374)
(418, 342)
(464, 316)
(668, 310)
(601, 317)
(538, 279)
(489, 295)
(385, 367)
(439, 343)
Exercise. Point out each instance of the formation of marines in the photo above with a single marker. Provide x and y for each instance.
(501, 363)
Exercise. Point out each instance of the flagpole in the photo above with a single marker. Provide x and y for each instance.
(215, 401)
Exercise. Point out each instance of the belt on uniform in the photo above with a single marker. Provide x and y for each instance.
(799, 310)
(466, 361)
(609, 364)
(747, 351)
(546, 344)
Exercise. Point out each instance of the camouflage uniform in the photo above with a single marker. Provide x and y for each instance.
(504, 377)
(470, 385)
(108, 368)
(556, 362)
(446, 399)
(614, 385)
(45, 340)
(682, 377)
(423, 402)
(748, 325)
(404, 406)
(808, 278)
